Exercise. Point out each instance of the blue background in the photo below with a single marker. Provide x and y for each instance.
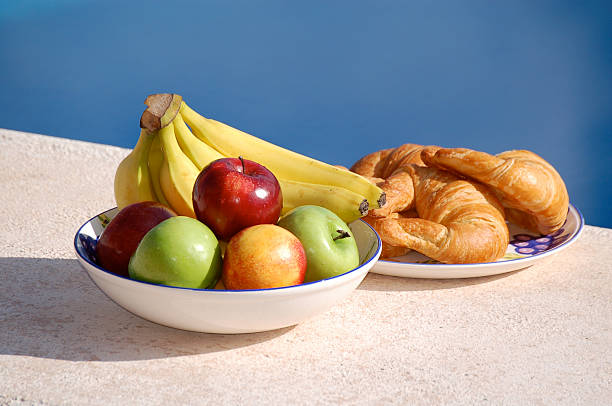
(333, 80)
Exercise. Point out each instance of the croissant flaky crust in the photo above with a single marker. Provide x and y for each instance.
(531, 190)
(386, 168)
(451, 203)
(389, 250)
(460, 221)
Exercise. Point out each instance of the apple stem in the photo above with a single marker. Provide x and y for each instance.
(242, 160)
(342, 234)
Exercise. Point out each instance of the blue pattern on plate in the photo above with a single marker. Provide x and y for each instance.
(527, 244)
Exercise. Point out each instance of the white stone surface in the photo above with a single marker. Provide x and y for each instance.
(538, 336)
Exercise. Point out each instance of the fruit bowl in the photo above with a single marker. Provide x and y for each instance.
(224, 311)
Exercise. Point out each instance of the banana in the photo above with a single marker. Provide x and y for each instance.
(177, 175)
(285, 164)
(156, 160)
(200, 153)
(132, 179)
(349, 206)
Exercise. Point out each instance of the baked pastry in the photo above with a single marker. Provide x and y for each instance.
(460, 221)
(385, 168)
(532, 192)
(389, 250)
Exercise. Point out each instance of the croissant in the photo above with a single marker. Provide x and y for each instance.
(532, 192)
(461, 221)
(388, 250)
(384, 168)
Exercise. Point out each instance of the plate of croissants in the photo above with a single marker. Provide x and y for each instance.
(461, 213)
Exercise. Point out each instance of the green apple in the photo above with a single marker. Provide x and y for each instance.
(179, 251)
(329, 243)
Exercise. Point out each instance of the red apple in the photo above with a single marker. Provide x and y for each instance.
(263, 256)
(231, 194)
(122, 235)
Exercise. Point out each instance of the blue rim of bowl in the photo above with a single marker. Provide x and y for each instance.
(374, 257)
(481, 264)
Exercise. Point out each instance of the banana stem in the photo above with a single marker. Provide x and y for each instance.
(161, 110)
(144, 142)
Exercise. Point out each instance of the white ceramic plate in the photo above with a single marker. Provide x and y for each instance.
(525, 249)
(224, 311)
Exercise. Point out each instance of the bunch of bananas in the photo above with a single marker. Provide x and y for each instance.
(176, 143)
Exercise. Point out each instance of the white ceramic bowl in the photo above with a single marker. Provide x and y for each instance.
(223, 311)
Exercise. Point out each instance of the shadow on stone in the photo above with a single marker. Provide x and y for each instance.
(377, 282)
(49, 308)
